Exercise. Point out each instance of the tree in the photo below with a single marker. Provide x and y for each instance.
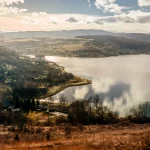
(16, 101)
(33, 104)
(141, 110)
(96, 101)
(29, 104)
(8, 101)
(37, 104)
(63, 99)
(78, 112)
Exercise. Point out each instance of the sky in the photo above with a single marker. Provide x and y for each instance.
(50, 15)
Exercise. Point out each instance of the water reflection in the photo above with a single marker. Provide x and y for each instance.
(122, 82)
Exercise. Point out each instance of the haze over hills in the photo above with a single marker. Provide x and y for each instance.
(74, 33)
(81, 46)
(55, 34)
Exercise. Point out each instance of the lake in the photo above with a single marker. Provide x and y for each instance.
(122, 82)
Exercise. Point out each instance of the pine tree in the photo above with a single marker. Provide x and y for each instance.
(37, 104)
(16, 101)
(33, 104)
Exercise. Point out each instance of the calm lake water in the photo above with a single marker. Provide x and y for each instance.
(122, 82)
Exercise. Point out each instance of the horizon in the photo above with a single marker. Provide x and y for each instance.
(108, 15)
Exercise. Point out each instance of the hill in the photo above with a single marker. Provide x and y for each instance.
(81, 46)
(104, 46)
(72, 33)
(55, 34)
(31, 78)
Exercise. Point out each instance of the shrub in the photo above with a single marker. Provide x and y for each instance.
(78, 113)
(68, 130)
(48, 136)
(11, 129)
(60, 119)
(140, 113)
(16, 138)
(38, 130)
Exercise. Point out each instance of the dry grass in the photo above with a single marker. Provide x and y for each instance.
(105, 137)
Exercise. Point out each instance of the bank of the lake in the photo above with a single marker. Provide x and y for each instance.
(77, 81)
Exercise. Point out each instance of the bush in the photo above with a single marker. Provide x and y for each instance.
(16, 138)
(68, 130)
(38, 130)
(60, 119)
(140, 113)
(80, 112)
(48, 136)
(11, 129)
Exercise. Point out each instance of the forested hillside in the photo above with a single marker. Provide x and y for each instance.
(28, 77)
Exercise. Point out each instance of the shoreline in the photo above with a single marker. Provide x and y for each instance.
(78, 81)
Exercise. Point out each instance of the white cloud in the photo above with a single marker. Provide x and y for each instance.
(72, 20)
(109, 6)
(133, 16)
(38, 13)
(89, 1)
(134, 21)
(11, 10)
(53, 20)
(143, 3)
(7, 8)
(10, 2)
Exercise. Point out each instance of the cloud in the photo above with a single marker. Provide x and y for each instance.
(6, 7)
(109, 6)
(143, 3)
(11, 10)
(97, 21)
(137, 16)
(10, 2)
(72, 20)
(133, 16)
(89, 1)
(38, 13)
(53, 20)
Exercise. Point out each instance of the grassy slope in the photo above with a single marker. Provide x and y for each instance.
(108, 137)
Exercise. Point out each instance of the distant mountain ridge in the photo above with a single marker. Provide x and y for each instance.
(55, 34)
(74, 33)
